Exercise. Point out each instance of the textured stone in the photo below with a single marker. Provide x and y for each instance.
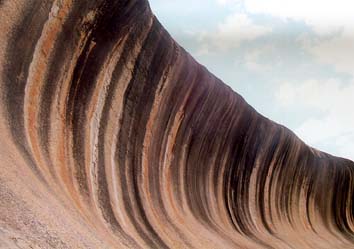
(112, 136)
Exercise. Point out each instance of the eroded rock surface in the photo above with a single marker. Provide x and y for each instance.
(112, 136)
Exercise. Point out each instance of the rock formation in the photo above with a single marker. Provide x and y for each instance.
(113, 136)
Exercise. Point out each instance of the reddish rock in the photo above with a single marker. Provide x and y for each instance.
(112, 136)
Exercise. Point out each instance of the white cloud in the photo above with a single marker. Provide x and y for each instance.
(230, 33)
(326, 18)
(337, 51)
(335, 128)
(323, 16)
(239, 27)
(228, 2)
(224, 2)
(251, 61)
(257, 59)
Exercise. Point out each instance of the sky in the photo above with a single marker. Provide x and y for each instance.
(293, 61)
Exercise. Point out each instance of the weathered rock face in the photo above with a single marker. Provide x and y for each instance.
(112, 136)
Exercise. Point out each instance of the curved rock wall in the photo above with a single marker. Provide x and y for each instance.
(114, 137)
